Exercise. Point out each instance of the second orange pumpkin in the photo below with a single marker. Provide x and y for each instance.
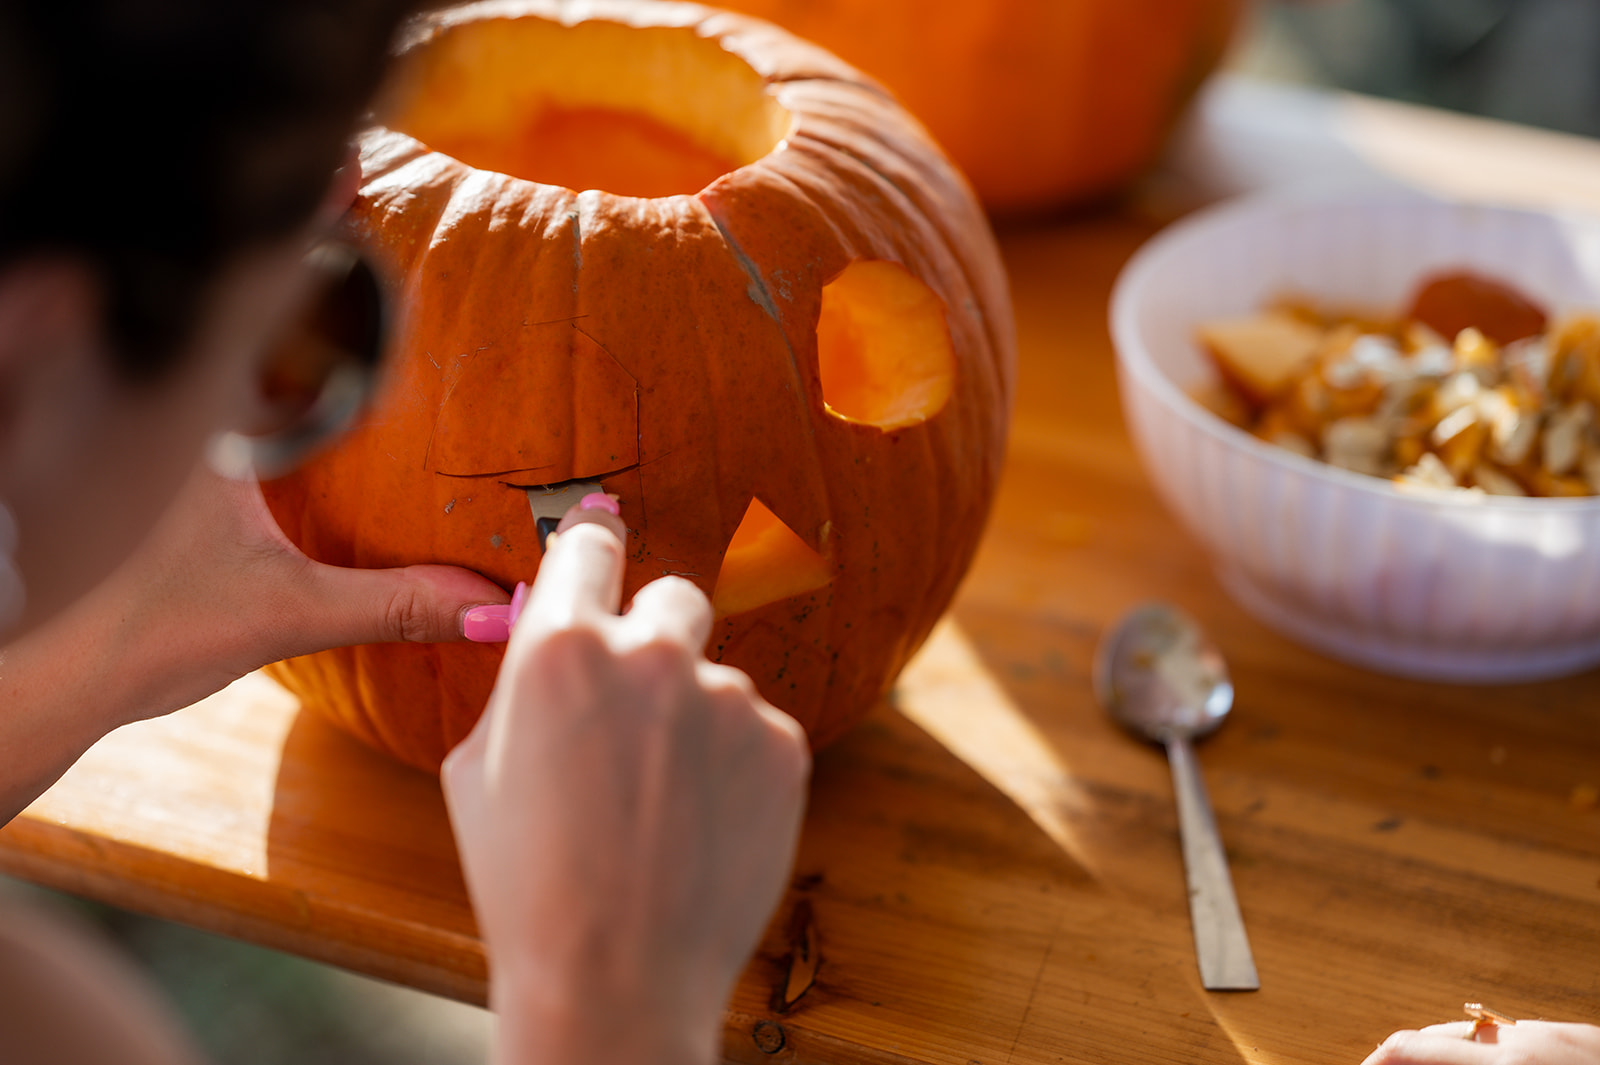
(1040, 102)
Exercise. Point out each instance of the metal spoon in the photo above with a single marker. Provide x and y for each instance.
(1160, 677)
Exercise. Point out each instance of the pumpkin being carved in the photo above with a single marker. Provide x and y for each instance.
(685, 255)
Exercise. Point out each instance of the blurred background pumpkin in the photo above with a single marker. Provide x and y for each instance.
(1042, 103)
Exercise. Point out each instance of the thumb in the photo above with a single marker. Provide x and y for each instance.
(418, 604)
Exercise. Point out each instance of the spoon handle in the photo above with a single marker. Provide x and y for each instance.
(1226, 963)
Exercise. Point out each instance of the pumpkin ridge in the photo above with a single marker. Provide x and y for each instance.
(770, 306)
(372, 209)
(391, 154)
(996, 373)
(757, 282)
(809, 406)
(817, 131)
(737, 29)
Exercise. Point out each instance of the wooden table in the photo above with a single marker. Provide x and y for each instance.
(990, 870)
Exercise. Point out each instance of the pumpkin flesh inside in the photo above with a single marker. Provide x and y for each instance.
(883, 347)
(626, 153)
(643, 113)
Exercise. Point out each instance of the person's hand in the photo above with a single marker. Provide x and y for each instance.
(215, 592)
(218, 591)
(1523, 1043)
(626, 813)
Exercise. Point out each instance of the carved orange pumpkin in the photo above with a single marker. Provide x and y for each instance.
(1040, 102)
(772, 320)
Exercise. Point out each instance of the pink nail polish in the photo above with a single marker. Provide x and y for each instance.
(487, 624)
(599, 501)
(519, 599)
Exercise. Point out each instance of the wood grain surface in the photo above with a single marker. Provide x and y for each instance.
(990, 871)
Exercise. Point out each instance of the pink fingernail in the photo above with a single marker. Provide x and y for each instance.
(599, 501)
(487, 624)
(519, 599)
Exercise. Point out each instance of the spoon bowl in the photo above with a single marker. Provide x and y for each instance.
(1159, 675)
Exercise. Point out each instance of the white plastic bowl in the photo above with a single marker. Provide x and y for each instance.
(1441, 586)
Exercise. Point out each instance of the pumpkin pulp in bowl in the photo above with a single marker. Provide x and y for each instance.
(692, 258)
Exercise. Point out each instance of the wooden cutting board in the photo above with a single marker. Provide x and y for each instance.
(989, 871)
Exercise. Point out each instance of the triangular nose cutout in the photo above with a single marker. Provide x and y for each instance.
(766, 561)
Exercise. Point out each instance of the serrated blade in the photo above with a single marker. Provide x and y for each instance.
(554, 500)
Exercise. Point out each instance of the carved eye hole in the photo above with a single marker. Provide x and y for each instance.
(766, 561)
(883, 346)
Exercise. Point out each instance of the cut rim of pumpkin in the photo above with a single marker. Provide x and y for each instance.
(633, 111)
(766, 561)
(883, 347)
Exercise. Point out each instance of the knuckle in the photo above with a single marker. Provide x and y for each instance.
(583, 646)
(408, 617)
(659, 660)
(792, 748)
(556, 658)
(686, 591)
(720, 679)
(670, 604)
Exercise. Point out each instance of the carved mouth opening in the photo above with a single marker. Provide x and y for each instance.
(635, 111)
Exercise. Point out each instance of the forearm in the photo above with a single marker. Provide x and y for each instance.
(58, 695)
(534, 1029)
(125, 652)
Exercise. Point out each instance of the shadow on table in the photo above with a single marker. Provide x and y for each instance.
(368, 843)
(1013, 704)
(928, 909)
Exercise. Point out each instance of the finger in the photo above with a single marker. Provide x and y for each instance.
(673, 609)
(580, 577)
(1426, 1048)
(415, 604)
(595, 509)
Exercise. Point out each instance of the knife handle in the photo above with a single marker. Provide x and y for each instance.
(546, 527)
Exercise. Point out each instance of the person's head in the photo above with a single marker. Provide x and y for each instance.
(161, 167)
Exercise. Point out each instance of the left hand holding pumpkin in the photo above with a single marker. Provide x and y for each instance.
(215, 592)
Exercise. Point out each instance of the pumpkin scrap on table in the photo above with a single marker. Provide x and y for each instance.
(699, 261)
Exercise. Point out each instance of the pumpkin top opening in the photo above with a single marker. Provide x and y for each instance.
(600, 105)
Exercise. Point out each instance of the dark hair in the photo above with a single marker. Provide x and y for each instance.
(159, 138)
